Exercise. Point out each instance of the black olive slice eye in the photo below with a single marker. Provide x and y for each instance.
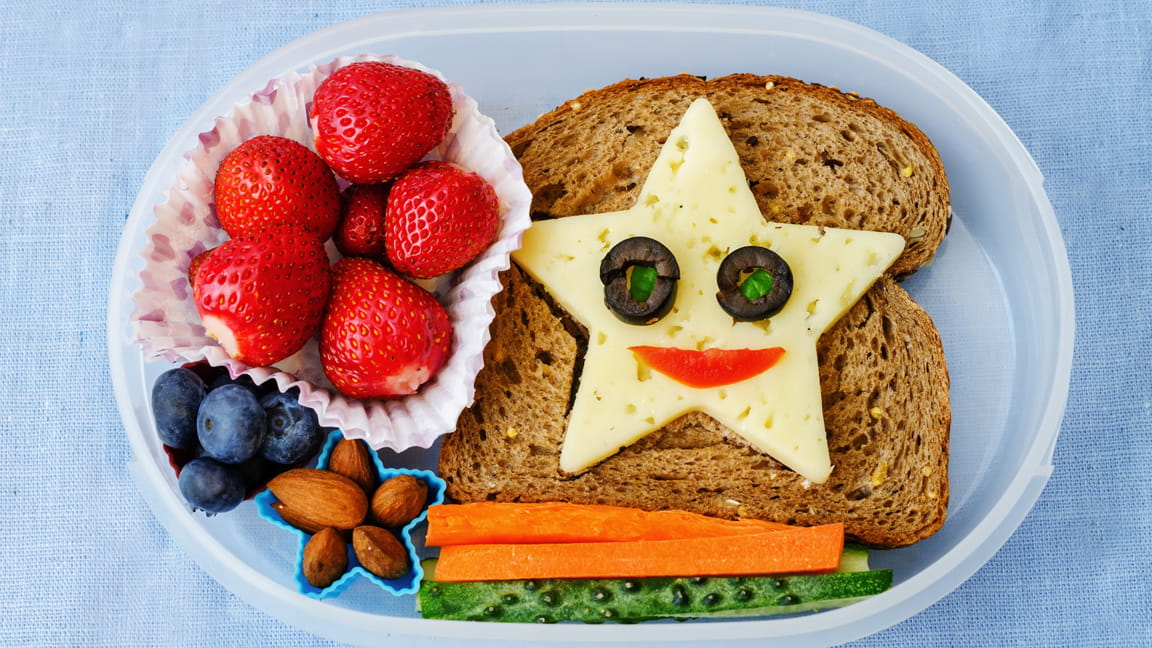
(754, 283)
(639, 276)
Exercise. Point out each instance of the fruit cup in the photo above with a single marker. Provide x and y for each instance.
(166, 323)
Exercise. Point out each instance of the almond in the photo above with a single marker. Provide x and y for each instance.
(295, 519)
(325, 558)
(380, 552)
(351, 458)
(398, 501)
(321, 498)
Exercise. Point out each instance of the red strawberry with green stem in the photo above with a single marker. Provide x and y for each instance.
(261, 295)
(270, 180)
(440, 217)
(372, 120)
(383, 335)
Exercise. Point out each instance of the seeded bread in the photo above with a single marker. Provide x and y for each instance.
(812, 154)
(883, 377)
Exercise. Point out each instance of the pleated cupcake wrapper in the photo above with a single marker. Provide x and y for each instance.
(165, 321)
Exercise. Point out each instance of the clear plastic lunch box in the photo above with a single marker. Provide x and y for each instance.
(999, 291)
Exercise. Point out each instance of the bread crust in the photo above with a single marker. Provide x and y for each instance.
(812, 154)
(883, 376)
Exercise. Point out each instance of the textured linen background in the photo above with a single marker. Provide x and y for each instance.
(93, 90)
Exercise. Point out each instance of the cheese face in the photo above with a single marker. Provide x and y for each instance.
(696, 201)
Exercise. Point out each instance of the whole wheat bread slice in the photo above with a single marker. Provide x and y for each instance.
(812, 154)
(883, 376)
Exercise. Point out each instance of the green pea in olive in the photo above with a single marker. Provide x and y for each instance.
(640, 275)
(754, 283)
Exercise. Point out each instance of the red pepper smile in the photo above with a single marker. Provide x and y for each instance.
(711, 367)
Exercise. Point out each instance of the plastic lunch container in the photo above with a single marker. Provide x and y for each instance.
(1000, 290)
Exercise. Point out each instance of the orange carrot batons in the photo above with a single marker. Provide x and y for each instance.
(795, 550)
(556, 522)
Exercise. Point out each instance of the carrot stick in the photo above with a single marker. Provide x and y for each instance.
(796, 550)
(524, 523)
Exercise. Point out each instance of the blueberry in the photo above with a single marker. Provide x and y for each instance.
(211, 486)
(245, 381)
(230, 424)
(176, 397)
(294, 432)
(219, 380)
(258, 471)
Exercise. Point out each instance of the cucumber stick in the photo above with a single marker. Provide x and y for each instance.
(630, 600)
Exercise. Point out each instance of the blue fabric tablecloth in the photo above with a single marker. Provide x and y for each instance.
(92, 91)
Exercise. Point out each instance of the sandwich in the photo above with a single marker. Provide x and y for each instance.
(817, 164)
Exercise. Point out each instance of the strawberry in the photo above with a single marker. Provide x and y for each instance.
(194, 265)
(261, 295)
(383, 335)
(361, 229)
(271, 179)
(372, 120)
(440, 217)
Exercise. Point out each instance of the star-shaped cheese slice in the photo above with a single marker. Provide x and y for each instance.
(696, 201)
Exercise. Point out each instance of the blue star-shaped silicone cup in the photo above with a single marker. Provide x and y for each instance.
(406, 584)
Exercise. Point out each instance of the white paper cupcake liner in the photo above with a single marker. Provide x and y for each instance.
(166, 324)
